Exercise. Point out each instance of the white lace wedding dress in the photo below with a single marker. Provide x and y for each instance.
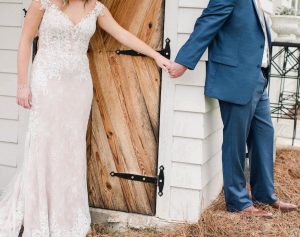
(48, 194)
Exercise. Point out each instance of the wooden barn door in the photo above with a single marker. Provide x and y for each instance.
(123, 134)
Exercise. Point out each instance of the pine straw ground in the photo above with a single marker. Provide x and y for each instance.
(216, 222)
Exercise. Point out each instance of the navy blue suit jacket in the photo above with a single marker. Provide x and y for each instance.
(233, 32)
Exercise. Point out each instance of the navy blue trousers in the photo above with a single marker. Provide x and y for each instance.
(248, 125)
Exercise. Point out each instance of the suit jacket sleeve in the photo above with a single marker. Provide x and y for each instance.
(206, 28)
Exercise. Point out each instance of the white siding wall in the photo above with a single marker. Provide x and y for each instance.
(191, 127)
(12, 118)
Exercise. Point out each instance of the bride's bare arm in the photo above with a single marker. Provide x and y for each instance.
(30, 28)
(108, 23)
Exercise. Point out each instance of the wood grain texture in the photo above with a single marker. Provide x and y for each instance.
(123, 130)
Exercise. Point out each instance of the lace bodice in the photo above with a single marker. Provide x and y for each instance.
(63, 43)
(58, 33)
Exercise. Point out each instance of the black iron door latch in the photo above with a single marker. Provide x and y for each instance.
(166, 52)
(159, 180)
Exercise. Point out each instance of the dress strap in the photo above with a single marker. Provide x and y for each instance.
(99, 9)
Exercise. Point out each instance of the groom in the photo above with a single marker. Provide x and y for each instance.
(238, 38)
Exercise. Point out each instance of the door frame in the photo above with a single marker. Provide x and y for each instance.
(166, 112)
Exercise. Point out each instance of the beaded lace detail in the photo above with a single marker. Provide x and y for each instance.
(64, 43)
(49, 193)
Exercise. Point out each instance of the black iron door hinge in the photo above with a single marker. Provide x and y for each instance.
(159, 180)
(166, 52)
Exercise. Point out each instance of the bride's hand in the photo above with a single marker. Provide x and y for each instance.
(163, 62)
(24, 97)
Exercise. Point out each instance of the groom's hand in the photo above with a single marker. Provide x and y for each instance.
(176, 70)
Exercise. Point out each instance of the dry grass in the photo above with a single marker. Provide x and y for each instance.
(216, 221)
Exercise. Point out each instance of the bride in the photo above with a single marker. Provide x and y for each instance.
(48, 194)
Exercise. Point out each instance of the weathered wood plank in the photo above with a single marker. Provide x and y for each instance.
(102, 157)
(125, 111)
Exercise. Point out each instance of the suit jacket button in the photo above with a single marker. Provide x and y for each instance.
(258, 66)
(262, 46)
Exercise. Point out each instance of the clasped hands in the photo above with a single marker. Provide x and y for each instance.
(175, 70)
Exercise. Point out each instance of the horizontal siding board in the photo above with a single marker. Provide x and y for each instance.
(11, 14)
(8, 131)
(188, 124)
(6, 175)
(8, 155)
(194, 176)
(189, 98)
(8, 84)
(212, 190)
(210, 169)
(8, 108)
(196, 151)
(196, 125)
(8, 61)
(186, 175)
(187, 150)
(193, 3)
(212, 122)
(182, 38)
(192, 99)
(10, 1)
(212, 145)
(187, 18)
(193, 77)
(184, 204)
(9, 37)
